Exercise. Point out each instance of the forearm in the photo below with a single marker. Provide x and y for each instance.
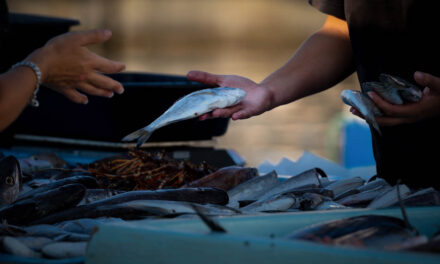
(16, 88)
(323, 60)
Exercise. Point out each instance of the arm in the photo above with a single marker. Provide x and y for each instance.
(323, 60)
(66, 66)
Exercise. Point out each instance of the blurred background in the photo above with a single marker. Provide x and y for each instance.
(251, 38)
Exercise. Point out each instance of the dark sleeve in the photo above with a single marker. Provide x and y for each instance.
(330, 7)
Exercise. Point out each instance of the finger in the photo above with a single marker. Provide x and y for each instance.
(387, 108)
(355, 112)
(242, 114)
(204, 77)
(105, 65)
(226, 112)
(205, 116)
(89, 37)
(426, 79)
(92, 90)
(75, 96)
(104, 82)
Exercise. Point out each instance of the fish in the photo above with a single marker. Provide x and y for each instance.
(394, 89)
(13, 246)
(63, 250)
(34, 242)
(225, 178)
(86, 181)
(43, 204)
(425, 197)
(310, 201)
(362, 198)
(390, 197)
(309, 178)
(373, 231)
(55, 233)
(10, 180)
(329, 205)
(85, 225)
(192, 105)
(342, 186)
(373, 185)
(196, 195)
(320, 191)
(364, 105)
(141, 208)
(275, 203)
(252, 189)
(41, 161)
(92, 195)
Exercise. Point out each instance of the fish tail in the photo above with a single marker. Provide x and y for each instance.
(141, 135)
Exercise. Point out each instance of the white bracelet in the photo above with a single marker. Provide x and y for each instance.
(34, 102)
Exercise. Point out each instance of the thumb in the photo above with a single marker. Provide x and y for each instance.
(90, 37)
(427, 80)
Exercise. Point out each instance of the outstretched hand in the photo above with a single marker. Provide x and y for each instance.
(427, 107)
(68, 66)
(258, 99)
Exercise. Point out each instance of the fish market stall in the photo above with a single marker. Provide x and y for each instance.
(72, 192)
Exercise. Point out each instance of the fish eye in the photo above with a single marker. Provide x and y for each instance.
(9, 180)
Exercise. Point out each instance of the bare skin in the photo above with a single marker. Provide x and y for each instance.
(323, 60)
(427, 107)
(67, 67)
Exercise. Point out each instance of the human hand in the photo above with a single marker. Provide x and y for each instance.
(258, 99)
(427, 107)
(68, 66)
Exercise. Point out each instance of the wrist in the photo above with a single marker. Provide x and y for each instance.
(269, 95)
(37, 73)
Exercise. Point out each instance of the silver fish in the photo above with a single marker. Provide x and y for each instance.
(364, 105)
(342, 186)
(92, 195)
(34, 243)
(85, 225)
(13, 246)
(252, 189)
(10, 180)
(192, 105)
(62, 250)
(363, 197)
(425, 197)
(280, 202)
(55, 233)
(307, 178)
(373, 185)
(330, 205)
(406, 90)
(390, 197)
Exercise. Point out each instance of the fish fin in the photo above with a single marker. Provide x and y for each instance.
(141, 135)
(213, 225)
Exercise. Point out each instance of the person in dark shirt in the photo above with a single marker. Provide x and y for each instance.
(370, 37)
(64, 64)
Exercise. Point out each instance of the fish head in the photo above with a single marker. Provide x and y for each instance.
(10, 180)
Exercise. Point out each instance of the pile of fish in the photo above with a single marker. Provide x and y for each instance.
(50, 208)
(393, 89)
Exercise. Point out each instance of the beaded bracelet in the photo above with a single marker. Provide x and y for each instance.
(34, 102)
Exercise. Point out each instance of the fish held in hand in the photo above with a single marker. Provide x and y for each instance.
(10, 180)
(364, 105)
(192, 105)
